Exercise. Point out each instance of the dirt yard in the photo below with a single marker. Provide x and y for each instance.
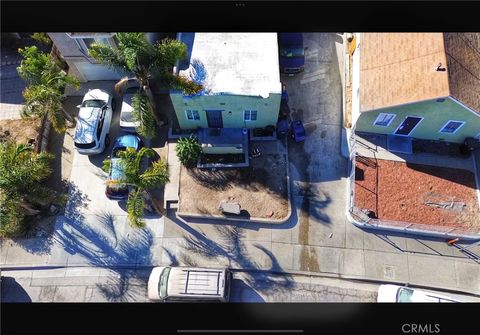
(21, 131)
(261, 189)
(417, 193)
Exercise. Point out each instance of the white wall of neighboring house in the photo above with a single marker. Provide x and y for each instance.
(356, 82)
(81, 65)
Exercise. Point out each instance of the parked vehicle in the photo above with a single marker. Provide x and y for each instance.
(298, 131)
(395, 293)
(291, 52)
(115, 190)
(171, 284)
(126, 117)
(94, 118)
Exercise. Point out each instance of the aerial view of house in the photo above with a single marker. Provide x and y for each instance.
(240, 167)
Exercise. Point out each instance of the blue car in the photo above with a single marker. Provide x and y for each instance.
(291, 52)
(115, 190)
(298, 131)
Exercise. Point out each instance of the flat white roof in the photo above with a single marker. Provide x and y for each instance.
(235, 63)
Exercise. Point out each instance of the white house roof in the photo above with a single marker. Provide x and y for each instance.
(234, 63)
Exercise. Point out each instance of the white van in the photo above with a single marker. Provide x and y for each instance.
(395, 293)
(189, 284)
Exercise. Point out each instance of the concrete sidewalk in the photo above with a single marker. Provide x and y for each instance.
(88, 284)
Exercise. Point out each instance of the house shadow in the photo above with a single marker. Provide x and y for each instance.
(423, 240)
(457, 176)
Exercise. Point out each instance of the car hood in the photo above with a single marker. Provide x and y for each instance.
(97, 94)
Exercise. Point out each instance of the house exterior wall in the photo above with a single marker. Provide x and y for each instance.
(83, 67)
(267, 109)
(435, 116)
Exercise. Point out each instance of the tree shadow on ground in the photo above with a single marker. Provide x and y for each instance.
(231, 247)
(42, 245)
(104, 246)
(217, 180)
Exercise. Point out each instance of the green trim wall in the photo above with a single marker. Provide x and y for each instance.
(232, 107)
(435, 116)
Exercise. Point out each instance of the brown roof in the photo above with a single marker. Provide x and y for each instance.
(463, 57)
(400, 68)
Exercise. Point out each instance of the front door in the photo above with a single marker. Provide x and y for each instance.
(408, 125)
(214, 118)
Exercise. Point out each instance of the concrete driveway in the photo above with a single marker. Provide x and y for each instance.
(94, 230)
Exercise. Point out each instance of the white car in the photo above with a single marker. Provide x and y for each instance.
(126, 119)
(91, 134)
(395, 293)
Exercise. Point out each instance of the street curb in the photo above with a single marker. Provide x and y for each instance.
(186, 215)
(331, 275)
(363, 278)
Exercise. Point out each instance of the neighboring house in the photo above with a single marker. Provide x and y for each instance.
(241, 79)
(74, 49)
(417, 85)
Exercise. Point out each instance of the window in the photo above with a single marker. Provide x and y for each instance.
(452, 126)
(250, 115)
(85, 40)
(192, 115)
(384, 119)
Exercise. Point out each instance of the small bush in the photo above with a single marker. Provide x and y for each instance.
(188, 151)
(42, 38)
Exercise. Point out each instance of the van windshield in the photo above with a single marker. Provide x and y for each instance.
(404, 295)
(291, 51)
(162, 287)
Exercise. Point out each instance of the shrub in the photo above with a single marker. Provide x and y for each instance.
(188, 151)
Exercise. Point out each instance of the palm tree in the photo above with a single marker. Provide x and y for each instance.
(140, 182)
(135, 55)
(21, 192)
(46, 81)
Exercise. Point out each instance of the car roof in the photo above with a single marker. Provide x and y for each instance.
(129, 141)
(87, 124)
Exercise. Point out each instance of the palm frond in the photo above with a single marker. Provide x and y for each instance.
(135, 205)
(183, 84)
(155, 176)
(142, 111)
(108, 56)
